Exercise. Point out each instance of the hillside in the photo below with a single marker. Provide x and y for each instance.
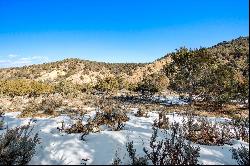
(84, 71)
(75, 70)
(192, 102)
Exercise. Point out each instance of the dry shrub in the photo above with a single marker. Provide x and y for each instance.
(112, 118)
(163, 121)
(1, 119)
(78, 127)
(111, 115)
(47, 107)
(1, 111)
(17, 146)
(203, 132)
(241, 155)
(172, 150)
(241, 128)
(135, 159)
(141, 113)
(30, 110)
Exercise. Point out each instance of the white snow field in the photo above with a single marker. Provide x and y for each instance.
(99, 148)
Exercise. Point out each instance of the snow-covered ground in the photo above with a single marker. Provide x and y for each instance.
(170, 100)
(99, 148)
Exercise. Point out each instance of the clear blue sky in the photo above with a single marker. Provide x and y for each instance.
(36, 31)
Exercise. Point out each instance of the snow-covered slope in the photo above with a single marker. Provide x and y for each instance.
(99, 148)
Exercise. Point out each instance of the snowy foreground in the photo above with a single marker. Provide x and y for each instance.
(99, 148)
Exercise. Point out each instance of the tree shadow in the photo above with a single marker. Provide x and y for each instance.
(166, 101)
(216, 155)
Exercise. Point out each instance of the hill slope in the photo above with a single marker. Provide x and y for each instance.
(84, 71)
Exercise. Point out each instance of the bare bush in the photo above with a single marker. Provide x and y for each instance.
(203, 132)
(47, 106)
(78, 127)
(241, 154)
(112, 118)
(17, 146)
(168, 151)
(135, 160)
(241, 128)
(1, 119)
(1, 111)
(117, 160)
(141, 113)
(173, 150)
(163, 121)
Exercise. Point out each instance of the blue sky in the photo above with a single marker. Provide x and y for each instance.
(37, 31)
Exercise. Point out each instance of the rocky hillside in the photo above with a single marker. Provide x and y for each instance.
(84, 71)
